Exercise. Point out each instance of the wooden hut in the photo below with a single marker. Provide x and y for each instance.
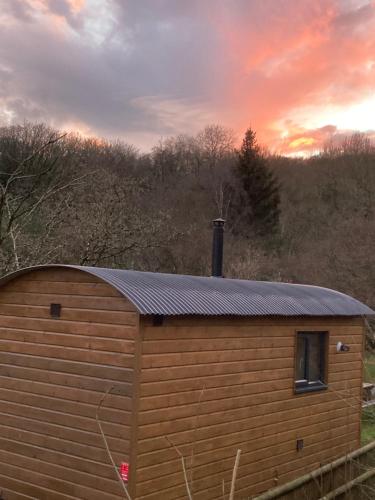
(194, 366)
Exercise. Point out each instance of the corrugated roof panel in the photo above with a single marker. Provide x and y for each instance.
(170, 294)
(173, 294)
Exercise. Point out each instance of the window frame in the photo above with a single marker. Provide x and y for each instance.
(305, 385)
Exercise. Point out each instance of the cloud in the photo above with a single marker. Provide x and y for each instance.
(104, 75)
(312, 62)
(175, 115)
(299, 140)
(140, 69)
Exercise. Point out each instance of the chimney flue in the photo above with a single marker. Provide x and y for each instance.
(217, 248)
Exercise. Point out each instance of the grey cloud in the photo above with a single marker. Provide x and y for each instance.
(60, 7)
(69, 79)
(64, 9)
(358, 16)
(19, 9)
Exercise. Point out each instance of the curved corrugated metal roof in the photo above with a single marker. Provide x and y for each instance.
(174, 294)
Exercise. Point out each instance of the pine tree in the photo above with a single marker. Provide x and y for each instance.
(255, 206)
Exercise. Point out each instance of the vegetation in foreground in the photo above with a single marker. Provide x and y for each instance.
(368, 425)
(368, 413)
(369, 367)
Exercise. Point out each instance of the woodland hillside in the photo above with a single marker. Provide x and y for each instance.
(69, 199)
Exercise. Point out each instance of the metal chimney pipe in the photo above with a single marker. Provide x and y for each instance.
(217, 247)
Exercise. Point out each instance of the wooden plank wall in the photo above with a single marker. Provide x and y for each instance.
(213, 386)
(53, 373)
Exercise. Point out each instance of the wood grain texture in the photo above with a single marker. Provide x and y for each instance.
(53, 374)
(211, 385)
(243, 371)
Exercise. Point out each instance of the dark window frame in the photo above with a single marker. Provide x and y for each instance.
(306, 385)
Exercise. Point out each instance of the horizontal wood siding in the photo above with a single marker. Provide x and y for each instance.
(53, 375)
(211, 386)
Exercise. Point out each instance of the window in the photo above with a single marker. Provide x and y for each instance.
(311, 361)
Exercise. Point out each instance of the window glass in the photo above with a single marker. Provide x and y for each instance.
(311, 357)
(314, 358)
(301, 358)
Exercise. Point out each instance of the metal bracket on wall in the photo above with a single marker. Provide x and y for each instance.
(55, 312)
(157, 320)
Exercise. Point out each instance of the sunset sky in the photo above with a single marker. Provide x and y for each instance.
(300, 72)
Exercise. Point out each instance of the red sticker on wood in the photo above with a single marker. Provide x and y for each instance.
(124, 471)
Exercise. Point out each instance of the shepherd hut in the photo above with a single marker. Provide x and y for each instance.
(157, 372)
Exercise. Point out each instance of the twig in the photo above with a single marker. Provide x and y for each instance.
(183, 467)
(40, 149)
(234, 475)
(195, 439)
(13, 238)
(106, 442)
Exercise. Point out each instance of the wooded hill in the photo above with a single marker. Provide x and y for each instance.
(69, 199)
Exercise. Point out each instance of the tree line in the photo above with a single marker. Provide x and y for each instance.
(69, 199)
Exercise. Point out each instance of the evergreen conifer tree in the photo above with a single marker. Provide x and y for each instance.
(256, 200)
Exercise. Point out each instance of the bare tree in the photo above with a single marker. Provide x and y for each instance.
(30, 178)
(216, 142)
(109, 224)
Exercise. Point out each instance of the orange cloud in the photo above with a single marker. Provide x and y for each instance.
(76, 5)
(301, 142)
(56, 15)
(303, 54)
